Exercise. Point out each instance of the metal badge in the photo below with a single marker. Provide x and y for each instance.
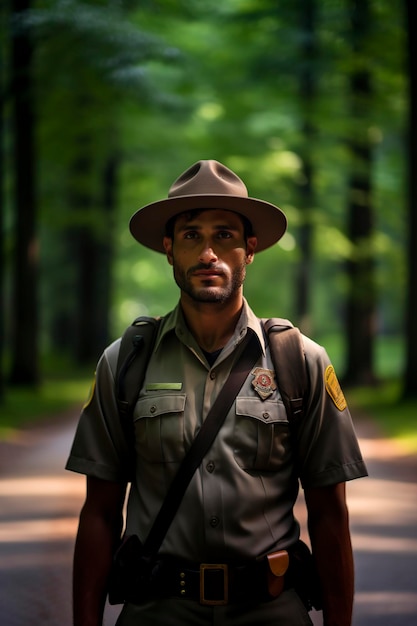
(264, 382)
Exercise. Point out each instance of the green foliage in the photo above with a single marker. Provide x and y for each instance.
(244, 111)
(396, 417)
(25, 406)
(161, 84)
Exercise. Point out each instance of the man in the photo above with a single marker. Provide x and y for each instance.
(238, 506)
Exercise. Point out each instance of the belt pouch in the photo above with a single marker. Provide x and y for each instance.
(277, 565)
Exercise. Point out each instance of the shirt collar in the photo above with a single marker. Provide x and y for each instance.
(175, 322)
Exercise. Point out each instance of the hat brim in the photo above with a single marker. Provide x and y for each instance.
(147, 225)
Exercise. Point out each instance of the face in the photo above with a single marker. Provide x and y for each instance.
(209, 255)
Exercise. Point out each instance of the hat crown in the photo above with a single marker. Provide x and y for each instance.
(208, 185)
(208, 177)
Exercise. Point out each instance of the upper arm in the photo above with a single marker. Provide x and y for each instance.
(105, 499)
(326, 502)
(327, 509)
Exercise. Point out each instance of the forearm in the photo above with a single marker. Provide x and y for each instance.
(98, 535)
(93, 555)
(332, 551)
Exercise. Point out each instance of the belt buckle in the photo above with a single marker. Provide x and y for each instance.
(212, 570)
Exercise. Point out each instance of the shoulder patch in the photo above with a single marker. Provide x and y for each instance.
(334, 389)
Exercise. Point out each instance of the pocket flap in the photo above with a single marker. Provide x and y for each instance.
(267, 411)
(155, 406)
(278, 562)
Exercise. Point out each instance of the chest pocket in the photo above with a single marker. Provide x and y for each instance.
(159, 428)
(262, 435)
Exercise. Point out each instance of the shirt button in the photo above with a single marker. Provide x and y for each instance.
(210, 466)
(214, 521)
(153, 409)
(212, 375)
(265, 416)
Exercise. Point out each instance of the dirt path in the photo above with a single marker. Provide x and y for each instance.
(39, 505)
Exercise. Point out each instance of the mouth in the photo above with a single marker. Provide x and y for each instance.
(207, 273)
(207, 276)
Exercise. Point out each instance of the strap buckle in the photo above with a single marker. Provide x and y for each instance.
(214, 584)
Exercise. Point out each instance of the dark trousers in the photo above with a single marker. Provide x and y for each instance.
(286, 610)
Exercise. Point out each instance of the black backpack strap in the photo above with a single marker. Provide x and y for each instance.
(137, 340)
(288, 357)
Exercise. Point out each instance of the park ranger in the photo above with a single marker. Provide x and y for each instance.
(231, 554)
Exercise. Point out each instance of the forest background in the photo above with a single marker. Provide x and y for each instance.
(105, 103)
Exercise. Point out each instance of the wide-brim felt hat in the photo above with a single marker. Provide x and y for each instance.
(208, 184)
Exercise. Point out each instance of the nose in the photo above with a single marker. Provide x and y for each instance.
(207, 254)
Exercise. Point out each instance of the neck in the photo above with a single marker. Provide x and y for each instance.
(211, 323)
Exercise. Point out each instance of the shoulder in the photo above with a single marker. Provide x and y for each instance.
(313, 350)
(319, 364)
(109, 357)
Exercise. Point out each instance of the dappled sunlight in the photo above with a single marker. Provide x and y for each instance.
(39, 506)
(382, 502)
(39, 509)
(384, 449)
(287, 242)
(387, 603)
(41, 486)
(38, 530)
(373, 542)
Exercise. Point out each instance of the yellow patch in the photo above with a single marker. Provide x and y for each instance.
(333, 388)
(91, 394)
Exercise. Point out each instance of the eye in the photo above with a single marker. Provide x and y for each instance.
(224, 234)
(190, 234)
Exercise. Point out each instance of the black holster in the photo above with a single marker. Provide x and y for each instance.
(303, 576)
(132, 571)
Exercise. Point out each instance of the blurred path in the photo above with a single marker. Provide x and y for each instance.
(383, 512)
(40, 502)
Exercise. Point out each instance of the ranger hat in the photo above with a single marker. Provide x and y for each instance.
(208, 185)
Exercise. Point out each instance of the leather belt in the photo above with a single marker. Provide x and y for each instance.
(212, 584)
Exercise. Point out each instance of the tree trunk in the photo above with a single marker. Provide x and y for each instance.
(410, 376)
(24, 345)
(106, 251)
(307, 83)
(92, 245)
(82, 246)
(361, 299)
(2, 203)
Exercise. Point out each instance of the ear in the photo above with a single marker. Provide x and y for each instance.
(251, 244)
(167, 243)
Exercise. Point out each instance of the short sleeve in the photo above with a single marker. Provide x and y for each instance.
(327, 446)
(100, 447)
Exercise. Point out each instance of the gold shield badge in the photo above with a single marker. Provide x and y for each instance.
(264, 382)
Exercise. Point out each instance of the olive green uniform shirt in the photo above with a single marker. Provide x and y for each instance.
(239, 503)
